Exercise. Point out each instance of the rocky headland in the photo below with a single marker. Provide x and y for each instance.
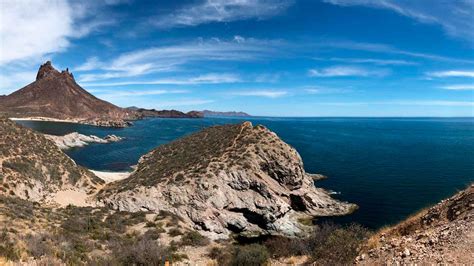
(75, 139)
(228, 179)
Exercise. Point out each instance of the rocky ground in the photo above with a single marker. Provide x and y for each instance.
(443, 234)
(75, 139)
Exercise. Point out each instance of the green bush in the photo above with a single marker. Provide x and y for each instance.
(193, 238)
(250, 255)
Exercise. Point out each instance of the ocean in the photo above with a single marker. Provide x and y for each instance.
(390, 167)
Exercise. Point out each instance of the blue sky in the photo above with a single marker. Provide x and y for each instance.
(272, 58)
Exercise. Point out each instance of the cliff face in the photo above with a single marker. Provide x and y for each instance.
(224, 179)
(443, 233)
(32, 167)
(56, 94)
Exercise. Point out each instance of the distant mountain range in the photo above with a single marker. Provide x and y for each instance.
(208, 113)
(142, 112)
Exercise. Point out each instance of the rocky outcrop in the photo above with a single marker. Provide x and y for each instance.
(34, 168)
(442, 234)
(226, 179)
(75, 139)
(56, 95)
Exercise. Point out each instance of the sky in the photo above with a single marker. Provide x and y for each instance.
(268, 58)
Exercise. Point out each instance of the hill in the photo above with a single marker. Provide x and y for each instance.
(208, 113)
(226, 179)
(34, 168)
(142, 112)
(56, 95)
(443, 234)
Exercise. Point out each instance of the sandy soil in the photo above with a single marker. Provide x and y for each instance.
(71, 196)
(39, 118)
(111, 176)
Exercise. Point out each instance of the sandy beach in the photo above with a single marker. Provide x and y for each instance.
(111, 176)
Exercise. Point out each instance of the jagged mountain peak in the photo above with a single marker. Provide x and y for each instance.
(47, 70)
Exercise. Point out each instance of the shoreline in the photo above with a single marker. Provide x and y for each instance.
(109, 177)
(98, 123)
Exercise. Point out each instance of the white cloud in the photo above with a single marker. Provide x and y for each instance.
(211, 78)
(459, 87)
(172, 57)
(116, 93)
(9, 83)
(382, 62)
(452, 73)
(325, 90)
(384, 48)
(409, 103)
(454, 16)
(261, 93)
(348, 71)
(30, 29)
(184, 102)
(209, 11)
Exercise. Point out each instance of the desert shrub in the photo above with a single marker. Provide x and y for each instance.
(286, 247)
(150, 224)
(141, 252)
(193, 238)
(175, 232)
(152, 234)
(7, 247)
(39, 245)
(249, 255)
(339, 246)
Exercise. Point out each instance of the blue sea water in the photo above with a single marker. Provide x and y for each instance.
(390, 167)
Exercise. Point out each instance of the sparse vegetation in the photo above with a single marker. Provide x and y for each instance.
(193, 238)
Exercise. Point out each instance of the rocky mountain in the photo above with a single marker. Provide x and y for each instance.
(56, 95)
(443, 234)
(226, 179)
(208, 113)
(34, 168)
(165, 113)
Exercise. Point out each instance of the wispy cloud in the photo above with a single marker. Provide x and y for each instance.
(211, 78)
(348, 71)
(121, 93)
(184, 102)
(174, 57)
(408, 103)
(382, 62)
(325, 90)
(387, 49)
(459, 87)
(454, 16)
(208, 11)
(261, 93)
(452, 73)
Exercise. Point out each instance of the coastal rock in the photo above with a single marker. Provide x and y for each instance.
(34, 168)
(442, 234)
(75, 139)
(226, 179)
